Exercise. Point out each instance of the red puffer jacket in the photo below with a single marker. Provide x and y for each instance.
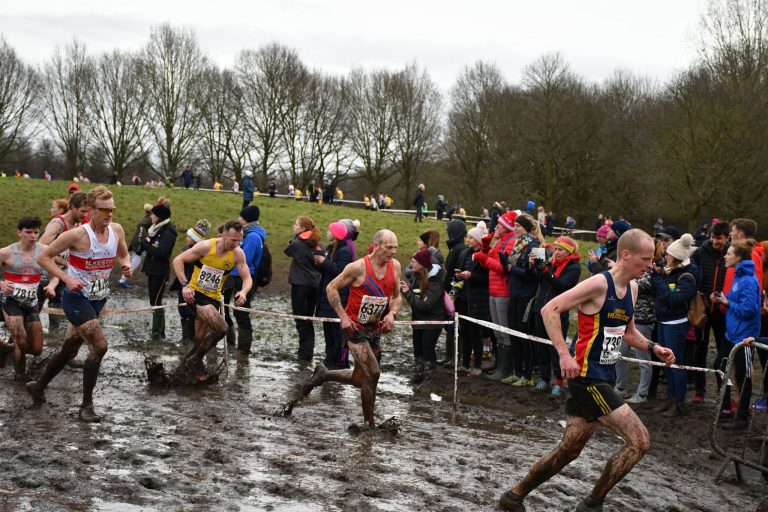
(497, 276)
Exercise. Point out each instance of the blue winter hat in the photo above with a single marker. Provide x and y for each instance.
(531, 205)
(620, 227)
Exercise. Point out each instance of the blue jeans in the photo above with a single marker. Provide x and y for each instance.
(673, 337)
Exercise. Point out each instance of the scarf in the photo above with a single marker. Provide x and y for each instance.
(559, 265)
(154, 228)
(517, 250)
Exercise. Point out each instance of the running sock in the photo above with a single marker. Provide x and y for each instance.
(90, 375)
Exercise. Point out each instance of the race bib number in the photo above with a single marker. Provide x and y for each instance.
(99, 288)
(210, 279)
(25, 293)
(371, 309)
(612, 338)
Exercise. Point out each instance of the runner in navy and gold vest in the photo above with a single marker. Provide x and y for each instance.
(605, 304)
(374, 301)
(22, 276)
(93, 248)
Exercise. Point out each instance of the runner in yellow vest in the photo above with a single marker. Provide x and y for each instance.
(213, 259)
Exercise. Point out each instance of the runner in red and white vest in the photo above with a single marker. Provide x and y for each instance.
(59, 224)
(93, 248)
(22, 275)
(374, 300)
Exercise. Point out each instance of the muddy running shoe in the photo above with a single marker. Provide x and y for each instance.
(590, 504)
(37, 394)
(556, 390)
(760, 405)
(698, 398)
(88, 415)
(510, 380)
(637, 399)
(542, 385)
(475, 372)
(511, 502)
(522, 382)
(462, 370)
(317, 379)
(196, 367)
(725, 414)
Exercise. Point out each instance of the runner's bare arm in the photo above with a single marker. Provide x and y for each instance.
(634, 338)
(67, 240)
(582, 295)
(194, 253)
(52, 231)
(5, 254)
(348, 276)
(123, 256)
(245, 274)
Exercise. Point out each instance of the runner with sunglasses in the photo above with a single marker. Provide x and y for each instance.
(93, 248)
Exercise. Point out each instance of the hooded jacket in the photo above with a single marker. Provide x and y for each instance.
(497, 275)
(742, 316)
(252, 245)
(711, 262)
(332, 266)
(758, 253)
(457, 231)
(427, 304)
(673, 292)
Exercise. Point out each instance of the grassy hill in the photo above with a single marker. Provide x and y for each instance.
(33, 197)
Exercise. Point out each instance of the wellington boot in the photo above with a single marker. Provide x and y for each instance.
(158, 325)
(244, 340)
(503, 363)
(450, 348)
(231, 336)
(418, 372)
(187, 330)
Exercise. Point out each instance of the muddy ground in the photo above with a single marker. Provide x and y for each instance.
(220, 448)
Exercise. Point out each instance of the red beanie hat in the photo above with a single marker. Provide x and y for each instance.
(423, 258)
(508, 220)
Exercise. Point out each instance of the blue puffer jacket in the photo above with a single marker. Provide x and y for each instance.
(742, 317)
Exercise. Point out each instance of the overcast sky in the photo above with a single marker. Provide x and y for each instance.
(653, 37)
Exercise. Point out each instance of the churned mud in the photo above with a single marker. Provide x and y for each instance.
(221, 447)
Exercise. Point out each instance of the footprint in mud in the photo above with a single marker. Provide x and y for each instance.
(390, 428)
(180, 376)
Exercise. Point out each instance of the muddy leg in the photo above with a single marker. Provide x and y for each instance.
(366, 376)
(210, 328)
(624, 422)
(577, 433)
(68, 350)
(97, 347)
(15, 325)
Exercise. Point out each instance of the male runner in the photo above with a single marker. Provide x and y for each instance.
(605, 304)
(22, 276)
(214, 260)
(374, 300)
(93, 248)
(78, 210)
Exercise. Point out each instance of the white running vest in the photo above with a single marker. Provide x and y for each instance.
(94, 266)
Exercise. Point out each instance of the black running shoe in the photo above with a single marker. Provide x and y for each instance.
(511, 502)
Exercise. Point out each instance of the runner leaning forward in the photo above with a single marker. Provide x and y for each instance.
(93, 248)
(213, 259)
(605, 304)
(22, 276)
(374, 300)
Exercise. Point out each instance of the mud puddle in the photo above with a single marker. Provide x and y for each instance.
(219, 447)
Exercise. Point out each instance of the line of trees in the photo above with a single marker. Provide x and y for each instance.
(688, 149)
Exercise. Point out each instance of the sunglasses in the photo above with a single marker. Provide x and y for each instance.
(107, 211)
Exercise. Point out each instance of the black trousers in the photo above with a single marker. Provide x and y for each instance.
(715, 325)
(243, 318)
(742, 365)
(424, 343)
(523, 353)
(549, 360)
(156, 287)
(471, 338)
(303, 302)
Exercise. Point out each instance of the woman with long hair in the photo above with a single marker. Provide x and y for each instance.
(331, 263)
(674, 287)
(304, 277)
(425, 295)
(742, 321)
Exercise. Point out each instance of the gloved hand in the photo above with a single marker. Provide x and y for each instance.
(486, 242)
(504, 259)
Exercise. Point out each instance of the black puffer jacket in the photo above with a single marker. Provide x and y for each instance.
(474, 295)
(157, 262)
(427, 305)
(457, 231)
(550, 285)
(711, 264)
(333, 266)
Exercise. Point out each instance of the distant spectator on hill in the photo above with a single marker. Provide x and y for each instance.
(247, 188)
(418, 203)
(272, 188)
(187, 177)
(440, 207)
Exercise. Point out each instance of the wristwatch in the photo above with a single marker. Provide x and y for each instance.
(651, 344)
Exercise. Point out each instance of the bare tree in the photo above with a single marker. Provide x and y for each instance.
(66, 79)
(117, 104)
(268, 78)
(559, 127)
(371, 106)
(171, 64)
(417, 118)
(19, 100)
(470, 139)
(219, 140)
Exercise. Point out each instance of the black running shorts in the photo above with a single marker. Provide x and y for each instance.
(591, 399)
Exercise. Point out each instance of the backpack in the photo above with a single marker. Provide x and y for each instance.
(697, 309)
(264, 272)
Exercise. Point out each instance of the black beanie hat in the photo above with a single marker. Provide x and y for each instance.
(425, 237)
(525, 222)
(250, 213)
(161, 211)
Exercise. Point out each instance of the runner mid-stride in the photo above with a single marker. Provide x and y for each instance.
(605, 304)
(374, 299)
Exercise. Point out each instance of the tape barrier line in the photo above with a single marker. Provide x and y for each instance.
(490, 325)
(545, 341)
